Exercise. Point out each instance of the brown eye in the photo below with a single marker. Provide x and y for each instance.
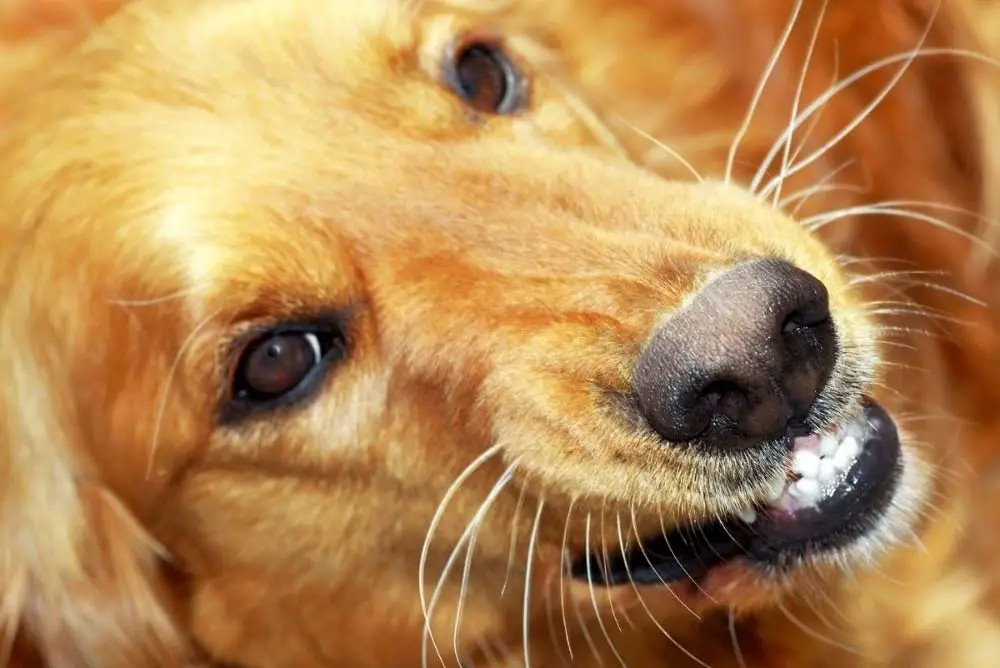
(280, 364)
(486, 80)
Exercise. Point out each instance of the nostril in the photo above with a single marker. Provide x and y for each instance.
(811, 308)
(725, 398)
(802, 319)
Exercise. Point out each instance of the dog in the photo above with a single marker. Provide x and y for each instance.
(520, 333)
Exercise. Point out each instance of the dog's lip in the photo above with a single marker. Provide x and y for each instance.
(780, 536)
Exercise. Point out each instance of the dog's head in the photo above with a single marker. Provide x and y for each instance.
(368, 320)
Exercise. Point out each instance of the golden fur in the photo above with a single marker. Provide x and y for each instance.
(196, 168)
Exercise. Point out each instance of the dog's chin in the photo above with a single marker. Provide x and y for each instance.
(848, 495)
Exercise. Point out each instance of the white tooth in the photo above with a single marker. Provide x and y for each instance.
(808, 490)
(846, 453)
(828, 445)
(851, 445)
(806, 464)
(748, 515)
(827, 470)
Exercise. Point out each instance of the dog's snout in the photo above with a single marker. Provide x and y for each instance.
(742, 361)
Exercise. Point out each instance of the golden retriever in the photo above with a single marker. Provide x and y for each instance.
(470, 333)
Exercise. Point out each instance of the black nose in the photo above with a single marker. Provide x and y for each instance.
(742, 361)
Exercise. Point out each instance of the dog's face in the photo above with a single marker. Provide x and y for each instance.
(365, 319)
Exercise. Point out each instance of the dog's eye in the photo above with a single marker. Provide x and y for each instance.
(485, 79)
(280, 363)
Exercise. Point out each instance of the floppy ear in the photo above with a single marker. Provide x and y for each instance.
(79, 583)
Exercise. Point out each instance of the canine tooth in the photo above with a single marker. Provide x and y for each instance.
(828, 445)
(748, 515)
(806, 464)
(827, 470)
(846, 453)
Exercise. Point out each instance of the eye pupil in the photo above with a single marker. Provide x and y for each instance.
(486, 79)
(278, 365)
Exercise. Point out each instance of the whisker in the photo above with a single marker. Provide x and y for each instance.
(823, 185)
(513, 538)
(652, 617)
(759, 92)
(917, 312)
(439, 514)
(621, 544)
(735, 639)
(860, 117)
(550, 614)
(821, 101)
(680, 563)
(797, 101)
(533, 542)
(818, 116)
(815, 635)
(579, 615)
(662, 146)
(155, 301)
(567, 564)
(820, 222)
(645, 555)
(428, 635)
(593, 600)
(475, 524)
(168, 383)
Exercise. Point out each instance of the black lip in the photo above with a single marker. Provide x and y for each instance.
(773, 540)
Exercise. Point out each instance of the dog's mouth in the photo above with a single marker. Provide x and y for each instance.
(839, 486)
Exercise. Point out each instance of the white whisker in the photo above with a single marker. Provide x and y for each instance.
(759, 92)
(797, 100)
(822, 186)
(562, 577)
(527, 581)
(645, 555)
(816, 223)
(662, 146)
(860, 117)
(815, 635)
(735, 639)
(652, 617)
(168, 383)
(471, 527)
(820, 101)
(593, 600)
(439, 514)
(513, 538)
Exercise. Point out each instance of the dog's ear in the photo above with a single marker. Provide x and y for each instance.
(79, 582)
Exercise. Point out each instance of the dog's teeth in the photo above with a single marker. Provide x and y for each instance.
(748, 515)
(849, 449)
(807, 490)
(806, 464)
(828, 446)
(827, 471)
